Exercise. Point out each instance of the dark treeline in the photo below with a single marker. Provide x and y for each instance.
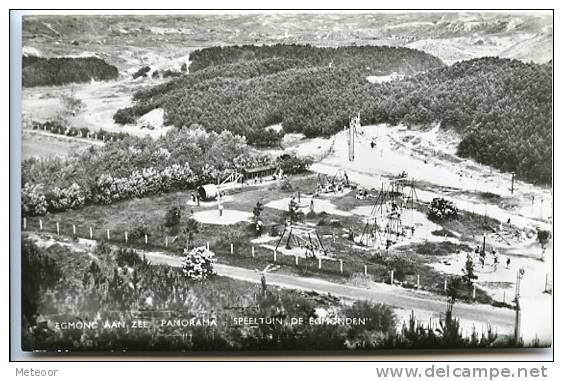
(38, 71)
(500, 107)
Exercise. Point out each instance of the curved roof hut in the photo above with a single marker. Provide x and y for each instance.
(208, 192)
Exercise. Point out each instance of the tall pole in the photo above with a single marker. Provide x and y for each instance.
(519, 276)
(512, 184)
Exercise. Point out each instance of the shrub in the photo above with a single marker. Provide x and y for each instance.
(124, 116)
(34, 202)
(292, 164)
(441, 209)
(198, 263)
(172, 217)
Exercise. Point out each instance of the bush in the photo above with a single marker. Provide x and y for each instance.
(441, 209)
(172, 218)
(124, 116)
(292, 164)
(34, 202)
(198, 263)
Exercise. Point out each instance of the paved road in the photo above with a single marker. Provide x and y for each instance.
(500, 318)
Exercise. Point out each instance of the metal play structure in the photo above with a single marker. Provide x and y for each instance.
(302, 237)
(384, 226)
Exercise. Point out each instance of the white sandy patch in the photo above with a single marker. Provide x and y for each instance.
(153, 118)
(229, 217)
(384, 78)
(319, 205)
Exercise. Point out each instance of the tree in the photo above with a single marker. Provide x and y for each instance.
(198, 263)
(189, 230)
(293, 213)
(257, 211)
(172, 219)
(468, 271)
(543, 237)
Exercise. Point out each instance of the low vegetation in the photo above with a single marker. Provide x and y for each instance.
(115, 287)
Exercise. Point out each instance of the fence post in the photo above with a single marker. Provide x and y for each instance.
(166, 241)
(146, 239)
(126, 237)
(392, 276)
(108, 234)
(320, 263)
(252, 251)
(296, 260)
(417, 280)
(24, 222)
(91, 233)
(445, 284)
(365, 269)
(275, 255)
(546, 279)
(73, 229)
(58, 229)
(207, 245)
(474, 293)
(40, 224)
(232, 249)
(341, 267)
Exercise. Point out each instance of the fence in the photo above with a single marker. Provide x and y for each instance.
(231, 253)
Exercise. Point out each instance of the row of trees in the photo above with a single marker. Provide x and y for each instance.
(500, 107)
(121, 286)
(135, 167)
(38, 71)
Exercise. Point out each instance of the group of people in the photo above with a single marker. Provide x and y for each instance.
(483, 256)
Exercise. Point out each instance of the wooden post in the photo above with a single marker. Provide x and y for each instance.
(126, 237)
(296, 260)
(474, 293)
(252, 251)
(24, 222)
(392, 276)
(166, 241)
(40, 224)
(232, 249)
(504, 296)
(365, 269)
(275, 255)
(417, 280)
(546, 278)
(320, 263)
(58, 229)
(107, 230)
(73, 229)
(207, 245)
(146, 239)
(341, 266)
(91, 233)
(446, 284)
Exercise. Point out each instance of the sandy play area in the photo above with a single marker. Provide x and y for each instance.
(229, 217)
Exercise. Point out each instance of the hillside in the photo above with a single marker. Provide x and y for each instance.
(38, 71)
(307, 89)
(450, 36)
(500, 107)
